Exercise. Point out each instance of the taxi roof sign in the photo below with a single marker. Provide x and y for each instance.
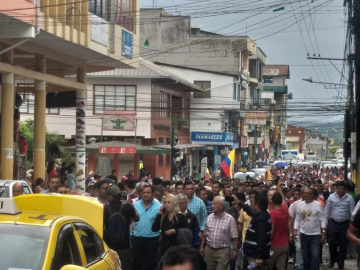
(8, 206)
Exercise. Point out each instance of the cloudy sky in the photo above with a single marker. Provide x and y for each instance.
(286, 37)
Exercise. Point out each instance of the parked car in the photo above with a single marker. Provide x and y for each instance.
(6, 188)
(304, 164)
(259, 171)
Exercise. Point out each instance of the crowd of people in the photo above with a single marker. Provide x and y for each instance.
(228, 223)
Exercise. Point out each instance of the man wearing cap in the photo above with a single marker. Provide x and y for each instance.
(130, 214)
(90, 178)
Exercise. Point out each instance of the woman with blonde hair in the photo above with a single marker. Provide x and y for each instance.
(169, 222)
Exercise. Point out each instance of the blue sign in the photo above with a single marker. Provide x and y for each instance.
(127, 44)
(213, 138)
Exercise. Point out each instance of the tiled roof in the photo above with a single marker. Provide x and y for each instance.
(146, 70)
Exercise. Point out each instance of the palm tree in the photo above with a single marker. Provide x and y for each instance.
(53, 144)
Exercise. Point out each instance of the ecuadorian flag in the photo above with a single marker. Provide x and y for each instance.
(228, 164)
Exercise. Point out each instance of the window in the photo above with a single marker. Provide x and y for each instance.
(161, 140)
(237, 91)
(167, 159)
(66, 250)
(30, 241)
(114, 98)
(29, 104)
(161, 160)
(167, 141)
(206, 87)
(124, 12)
(164, 104)
(234, 91)
(92, 244)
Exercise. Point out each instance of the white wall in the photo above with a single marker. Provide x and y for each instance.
(206, 112)
(64, 123)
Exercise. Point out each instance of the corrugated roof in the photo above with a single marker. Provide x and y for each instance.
(146, 70)
(284, 70)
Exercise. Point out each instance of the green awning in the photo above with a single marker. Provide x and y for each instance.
(140, 149)
(276, 89)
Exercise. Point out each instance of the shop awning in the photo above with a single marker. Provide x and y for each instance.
(140, 149)
(179, 146)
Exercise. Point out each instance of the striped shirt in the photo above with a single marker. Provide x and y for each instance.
(197, 207)
(220, 230)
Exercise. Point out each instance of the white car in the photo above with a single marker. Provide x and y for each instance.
(259, 171)
(6, 188)
(330, 166)
(242, 175)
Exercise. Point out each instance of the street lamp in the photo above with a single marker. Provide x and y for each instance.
(310, 80)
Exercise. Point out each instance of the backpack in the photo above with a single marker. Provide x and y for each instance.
(116, 225)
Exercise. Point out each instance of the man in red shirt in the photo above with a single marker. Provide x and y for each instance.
(279, 233)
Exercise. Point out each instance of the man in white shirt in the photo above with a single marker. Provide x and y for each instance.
(310, 221)
(292, 215)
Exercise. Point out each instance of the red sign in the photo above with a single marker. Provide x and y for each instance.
(117, 150)
(243, 141)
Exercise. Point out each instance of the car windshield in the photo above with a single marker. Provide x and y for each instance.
(23, 246)
(311, 158)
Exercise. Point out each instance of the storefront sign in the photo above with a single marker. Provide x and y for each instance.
(119, 121)
(271, 71)
(127, 44)
(117, 150)
(277, 133)
(213, 138)
(255, 122)
(256, 118)
(99, 30)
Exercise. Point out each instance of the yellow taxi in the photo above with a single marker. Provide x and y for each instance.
(53, 232)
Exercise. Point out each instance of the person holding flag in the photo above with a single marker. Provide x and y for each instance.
(228, 164)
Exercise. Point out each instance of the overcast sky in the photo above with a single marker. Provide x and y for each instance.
(283, 39)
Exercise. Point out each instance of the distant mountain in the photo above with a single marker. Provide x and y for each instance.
(334, 129)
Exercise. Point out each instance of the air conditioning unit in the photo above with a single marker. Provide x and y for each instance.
(273, 102)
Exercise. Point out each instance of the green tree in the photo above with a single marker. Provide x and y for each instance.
(332, 151)
(54, 141)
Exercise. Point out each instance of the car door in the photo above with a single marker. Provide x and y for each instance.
(66, 249)
(92, 246)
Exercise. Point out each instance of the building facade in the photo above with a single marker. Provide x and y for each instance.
(45, 43)
(132, 107)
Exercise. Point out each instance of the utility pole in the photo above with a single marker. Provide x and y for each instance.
(346, 141)
(172, 154)
(354, 26)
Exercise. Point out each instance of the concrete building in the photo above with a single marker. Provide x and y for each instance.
(171, 40)
(258, 115)
(318, 144)
(142, 101)
(297, 138)
(274, 78)
(45, 41)
(213, 113)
